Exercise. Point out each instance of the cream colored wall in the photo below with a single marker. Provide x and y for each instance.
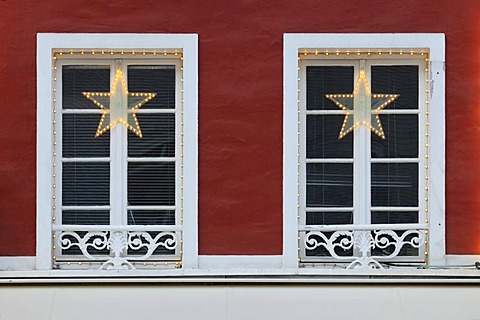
(176, 301)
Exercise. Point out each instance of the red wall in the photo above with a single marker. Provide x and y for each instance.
(240, 110)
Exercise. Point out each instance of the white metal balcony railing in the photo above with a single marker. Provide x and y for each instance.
(363, 246)
(355, 246)
(116, 247)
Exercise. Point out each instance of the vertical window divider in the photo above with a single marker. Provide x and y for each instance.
(117, 165)
(367, 216)
(359, 164)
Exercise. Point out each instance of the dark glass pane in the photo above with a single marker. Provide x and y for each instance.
(86, 217)
(328, 218)
(86, 183)
(78, 79)
(329, 185)
(395, 184)
(322, 80)
(151, 217)
(151, 183)
(79, 137)
(154, 79)
(158, 131)
(402, 80)
(322, 137)
(387, 217)
(401, 137)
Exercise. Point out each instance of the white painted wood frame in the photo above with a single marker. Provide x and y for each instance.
(293, 43)
(46, 44)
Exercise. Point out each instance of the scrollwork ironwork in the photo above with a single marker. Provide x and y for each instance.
(362, 244)
(123, 247)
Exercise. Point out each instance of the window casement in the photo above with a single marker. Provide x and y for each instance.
(117, 130)
(366, 128)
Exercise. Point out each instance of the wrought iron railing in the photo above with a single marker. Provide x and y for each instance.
(116, 247)
(363, 246)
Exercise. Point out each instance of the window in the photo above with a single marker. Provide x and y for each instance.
(362, 141)
(117, 129)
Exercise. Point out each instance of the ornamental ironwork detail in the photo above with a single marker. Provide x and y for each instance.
(114, 248)
(363, 247)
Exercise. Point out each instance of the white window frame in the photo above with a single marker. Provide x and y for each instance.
(188, 45)
(293, 44)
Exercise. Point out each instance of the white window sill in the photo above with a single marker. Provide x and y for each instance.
(445, 274)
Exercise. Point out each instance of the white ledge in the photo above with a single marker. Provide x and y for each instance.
(242, 269)
(17, 264)
(306, 275)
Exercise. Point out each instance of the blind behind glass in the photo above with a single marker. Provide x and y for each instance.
(322, 80)
(152, 182)
(158, 79)
(83, 78)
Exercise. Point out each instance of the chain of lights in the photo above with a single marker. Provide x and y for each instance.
(427, 150)
(99, 99)
(355, 53)
(66, 53)
(54, 150)
(369, 54)
(299, 119)
(182, 127)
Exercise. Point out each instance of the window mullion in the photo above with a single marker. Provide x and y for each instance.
(361, 176)
(368, 159)
(123, 175)
(361, 155)
(118, 175)
(118, 178)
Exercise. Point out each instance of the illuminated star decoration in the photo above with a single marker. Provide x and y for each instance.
(119, 104)
(362, 107)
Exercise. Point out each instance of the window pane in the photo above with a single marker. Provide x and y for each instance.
(158, 131)
(322, 137)
(78, 79)
(86, 217)
(395, 184)
(86, 183)
(79, 137)
(402, 80)
(322, 80)
(387, 217)
(328, 218)
(155, 79)
(329, 185)
(401, 137)
(151, 183)
(151, 217)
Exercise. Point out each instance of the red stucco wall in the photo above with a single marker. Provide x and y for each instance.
(240, 109)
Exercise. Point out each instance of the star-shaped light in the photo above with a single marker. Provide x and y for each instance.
(363, 106)
(119, 105)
